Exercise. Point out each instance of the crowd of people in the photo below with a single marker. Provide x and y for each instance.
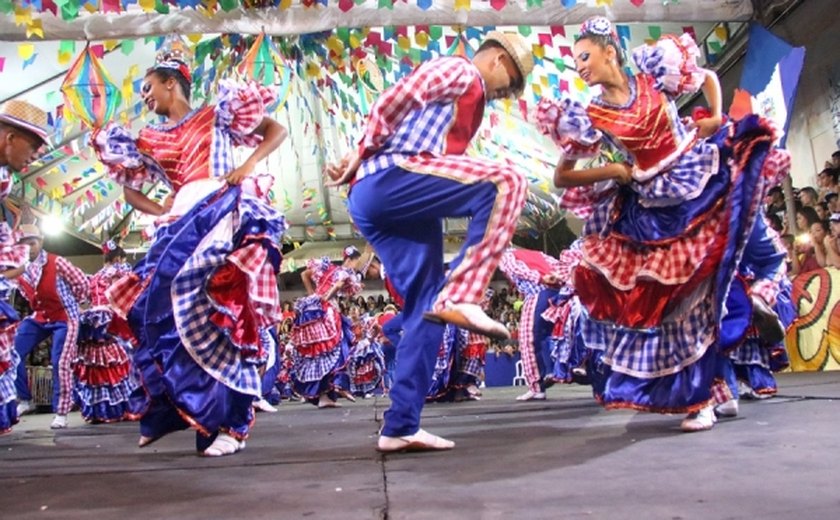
(674, 295)
(812, 240)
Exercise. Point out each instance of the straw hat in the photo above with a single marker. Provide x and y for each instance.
(25, 231)
(518, 49)
(26, 116)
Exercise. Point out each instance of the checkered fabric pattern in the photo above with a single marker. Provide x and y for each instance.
(262, 282)
(6, 182)
(467, 283)
(624, 263)
(326, 329)
(124, 292)
(126, 165)
(528, 281)
(751, 352)
(207, 345)
(684, 180)
(411, 117)
(102, 280)
(526, 342)
(240, 110)
(653, 352)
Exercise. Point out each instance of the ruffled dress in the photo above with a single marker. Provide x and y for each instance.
(753, 359)
(659, 255)
(203, 299)
(443, 386)
(321, 335)
(367, 363)
(104, 375)
(11, 256)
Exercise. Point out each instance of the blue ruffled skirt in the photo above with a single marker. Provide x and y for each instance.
(196, 372)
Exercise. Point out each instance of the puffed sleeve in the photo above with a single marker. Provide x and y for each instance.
(317, 267)
(12, 254)
(672, 61)
(241, 108)
(125, 163)
(569, 126)
(352, 285)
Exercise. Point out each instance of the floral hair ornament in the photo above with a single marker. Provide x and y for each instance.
(109, 246)
(351, 252)
(600, 26)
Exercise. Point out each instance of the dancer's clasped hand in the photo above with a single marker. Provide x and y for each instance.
(622, 172)
(706, 127)
(236, 176)
(344, 171)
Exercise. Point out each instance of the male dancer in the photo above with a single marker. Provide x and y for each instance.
(54, 288)
(408, 174)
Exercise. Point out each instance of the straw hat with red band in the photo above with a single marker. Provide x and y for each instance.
(25, 116)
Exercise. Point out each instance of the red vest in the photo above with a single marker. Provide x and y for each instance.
(45, 301)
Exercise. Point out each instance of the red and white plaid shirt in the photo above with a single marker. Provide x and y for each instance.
(435, 110)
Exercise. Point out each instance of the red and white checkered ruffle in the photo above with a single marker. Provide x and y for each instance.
(624, 263)
(566, 122)
(263, 295)
(241, 107)
(13, 255)
(124, 292)
(776, 167)
(325, 330)
(582, 200)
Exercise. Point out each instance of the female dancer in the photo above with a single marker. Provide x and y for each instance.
(322, 335)
(202, 300)
(105, 377)
(682, 204)
(13, 258)
(367, 364)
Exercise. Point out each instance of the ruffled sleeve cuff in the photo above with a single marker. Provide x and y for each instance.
(241, 108)
(352, 286)
(672, 62)
(776, 167)
(318, 266)
(569, 126)
(125, 163)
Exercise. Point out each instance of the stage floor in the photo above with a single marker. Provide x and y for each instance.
(561, 458)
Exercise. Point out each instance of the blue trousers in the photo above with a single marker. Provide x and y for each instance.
(393, 331)
(400, 213)
(29, 334)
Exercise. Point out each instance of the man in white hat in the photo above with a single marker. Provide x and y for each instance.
(408, 174)
(23, 132)
(54, 288)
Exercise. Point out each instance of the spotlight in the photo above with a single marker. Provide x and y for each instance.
(51, 225)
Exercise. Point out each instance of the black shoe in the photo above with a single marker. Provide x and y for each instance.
(770, 328)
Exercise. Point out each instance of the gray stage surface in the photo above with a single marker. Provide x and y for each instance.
(562, 458)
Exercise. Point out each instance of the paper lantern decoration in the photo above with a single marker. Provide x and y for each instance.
(264, 64)
(89, 93)
(461, 47)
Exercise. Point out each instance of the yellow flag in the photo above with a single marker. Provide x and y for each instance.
(25, 51)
